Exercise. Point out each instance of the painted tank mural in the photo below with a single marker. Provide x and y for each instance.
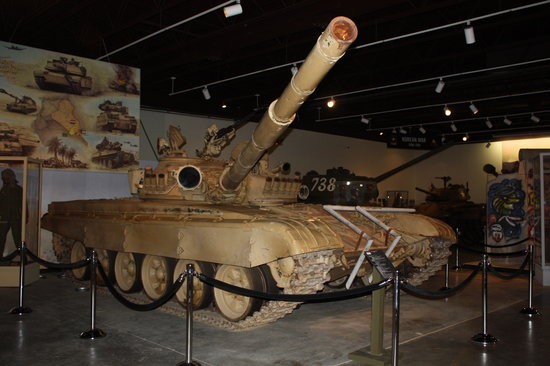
(239, 220)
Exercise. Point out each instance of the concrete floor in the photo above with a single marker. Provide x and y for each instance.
(432, 332)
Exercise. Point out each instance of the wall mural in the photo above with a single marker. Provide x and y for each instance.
(69, 112)
(506, 217)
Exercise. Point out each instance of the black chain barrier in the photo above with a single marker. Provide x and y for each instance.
(514, 274)
(441, 294)
(141, 307)
(507, 245)
(511, 254)
(79, 264)
(10, 256)
(318, 297)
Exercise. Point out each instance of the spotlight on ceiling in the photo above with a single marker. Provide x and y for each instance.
(535, 118)
(294, 69)
(447, 111)
(439, 86)
(507, 121)
(469, 34)
(331, 102)
(365, 120)
(473, 108)
(453, 127)
(233, 10)
(402, 131)
(442, 138)
(488, 123)
(206, 93)
(381, 133)
(422, 130)
(224, 105)
(465, 137)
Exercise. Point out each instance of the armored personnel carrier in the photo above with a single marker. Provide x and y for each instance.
(64, 75)
(114, 116)
(238, 221)
(24, 105)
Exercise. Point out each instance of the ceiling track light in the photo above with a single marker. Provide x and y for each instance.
(173, 78)
(232, 10)
(473, 108)
(439, 86)
(507, 121)
(488, 123)
(469, 34)
(365, 120)
(422, 130)
(535, 118)
(331, 102)
(294, 69)
(465, 137)
(453, 127)
(402, 131)
(206, 93)
(447, 111)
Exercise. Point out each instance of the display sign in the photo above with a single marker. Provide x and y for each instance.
(422, 142)
(66, 111)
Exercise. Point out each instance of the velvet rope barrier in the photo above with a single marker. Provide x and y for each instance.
(79, 264)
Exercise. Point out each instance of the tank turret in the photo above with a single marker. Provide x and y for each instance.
(238, 220)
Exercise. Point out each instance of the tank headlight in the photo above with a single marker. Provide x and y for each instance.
(189, 177)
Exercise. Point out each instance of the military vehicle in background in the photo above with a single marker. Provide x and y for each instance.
(124, 80)
(338, 186)
(110, 155)
(65, 75)
(451, 204)
(114, 116)
(238, 220)
(13, 143)
(24, 105)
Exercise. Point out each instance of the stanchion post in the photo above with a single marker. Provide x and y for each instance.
(94, 332)
(484, 337)
(457, 262)
(446, 287)
(20, 310)
(530, 310)
(189, 321)
(395, 319)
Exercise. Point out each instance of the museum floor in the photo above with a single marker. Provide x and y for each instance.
(432, 332)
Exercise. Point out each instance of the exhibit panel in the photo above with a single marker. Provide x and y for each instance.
(541, 193)
(28, 175)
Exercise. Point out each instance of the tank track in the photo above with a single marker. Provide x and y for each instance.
(310, 274)
(439, 254)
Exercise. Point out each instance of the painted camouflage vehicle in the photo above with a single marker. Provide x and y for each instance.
(62, 74)
(238, 221)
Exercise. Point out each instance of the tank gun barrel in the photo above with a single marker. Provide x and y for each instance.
(330, 46)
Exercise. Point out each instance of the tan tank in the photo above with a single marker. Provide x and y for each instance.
(114, 116)
(238, 221)
(64, 75)
(24, 105)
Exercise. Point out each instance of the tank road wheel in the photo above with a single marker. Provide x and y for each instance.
(156, 275)
(107, 260)
(78, 253)
(202, 293)
(127, 270)
(236, 307)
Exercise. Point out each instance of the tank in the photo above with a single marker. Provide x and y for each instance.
(238, 220)
(114, 116)
(110, 155)
(64, 75)
(24, 105)
(338, 186)
(451, 203)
